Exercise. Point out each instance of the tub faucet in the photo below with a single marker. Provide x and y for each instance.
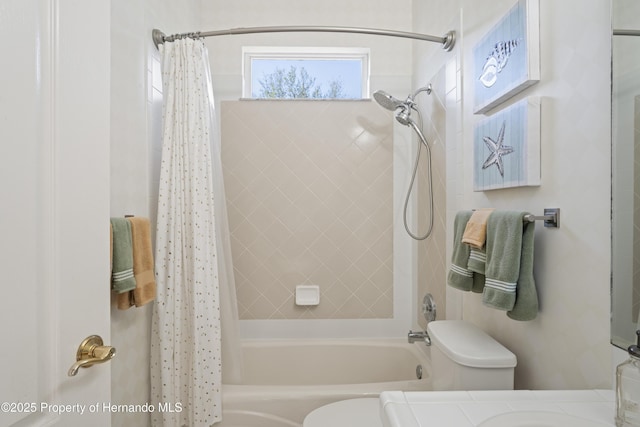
(419, 336)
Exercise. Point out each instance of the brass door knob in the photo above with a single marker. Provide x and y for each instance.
(90, 352)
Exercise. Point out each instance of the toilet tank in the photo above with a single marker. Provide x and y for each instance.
(463, 357)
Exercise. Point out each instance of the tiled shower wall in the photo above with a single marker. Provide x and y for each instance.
(431, 251)
(309, 188)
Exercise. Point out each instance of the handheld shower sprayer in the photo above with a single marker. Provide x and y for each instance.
(403, 116)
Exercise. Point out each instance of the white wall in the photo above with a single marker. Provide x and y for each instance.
(391, 57)
(567, 346)
(136, 103)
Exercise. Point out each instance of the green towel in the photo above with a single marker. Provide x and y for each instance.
(526, 305)
(477, 264)
(122, 279)
(508, 250)
(504, 246)
(477, 260)
(460, 277)
(478, 283)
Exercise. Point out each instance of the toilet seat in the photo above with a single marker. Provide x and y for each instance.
(363, 412)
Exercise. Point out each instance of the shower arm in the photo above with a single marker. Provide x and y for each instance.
(422, 89)
(447, 41)
(410, 101)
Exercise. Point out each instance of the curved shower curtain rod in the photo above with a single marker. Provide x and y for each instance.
(447, 41)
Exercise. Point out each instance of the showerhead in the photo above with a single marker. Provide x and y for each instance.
(404, 116)
(387, 101)
(392, 103)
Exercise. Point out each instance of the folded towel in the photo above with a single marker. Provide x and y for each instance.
(477, 260)
(478, 283)
(122, 279)
(504, 246)
(477, 264)
(460, 277)
(475, 232)
(145, 290)
(504, 249)
(124, 301)
(526, 305)
(143, 265)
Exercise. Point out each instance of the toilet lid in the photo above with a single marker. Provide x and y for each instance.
(363, 412)
(468, 345)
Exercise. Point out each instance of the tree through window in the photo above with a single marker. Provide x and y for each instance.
(285, 73)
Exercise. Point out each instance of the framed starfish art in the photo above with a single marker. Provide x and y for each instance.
(507, 59)
(507, 147)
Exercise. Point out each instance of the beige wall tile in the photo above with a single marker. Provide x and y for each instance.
(314, 209)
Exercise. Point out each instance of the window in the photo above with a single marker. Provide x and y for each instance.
(304, 72)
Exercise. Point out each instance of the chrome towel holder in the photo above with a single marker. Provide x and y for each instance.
(551, 217)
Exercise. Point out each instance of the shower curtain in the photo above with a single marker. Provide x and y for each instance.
(193, 259)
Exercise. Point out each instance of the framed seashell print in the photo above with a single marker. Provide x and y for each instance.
(507, 59)
(506, 147)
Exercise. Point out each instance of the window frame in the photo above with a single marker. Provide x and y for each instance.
(305, 53)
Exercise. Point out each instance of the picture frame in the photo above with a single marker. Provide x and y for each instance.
(507, 59)
(507, 147)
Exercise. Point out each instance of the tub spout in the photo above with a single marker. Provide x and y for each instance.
(419, 336)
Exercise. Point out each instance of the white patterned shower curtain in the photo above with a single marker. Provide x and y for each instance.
(191, 263)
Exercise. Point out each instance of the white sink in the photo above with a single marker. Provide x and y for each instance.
(539, 419)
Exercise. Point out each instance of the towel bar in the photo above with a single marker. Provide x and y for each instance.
(551, 217)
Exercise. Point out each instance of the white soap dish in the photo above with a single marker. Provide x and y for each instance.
(307, 295)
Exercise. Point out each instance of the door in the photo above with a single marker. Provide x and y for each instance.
(54, 220)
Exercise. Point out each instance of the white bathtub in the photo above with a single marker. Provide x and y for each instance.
(285, 380)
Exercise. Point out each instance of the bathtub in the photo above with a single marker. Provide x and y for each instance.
(285, 380)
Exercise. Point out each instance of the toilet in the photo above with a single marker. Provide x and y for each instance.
(471, 359)
(463, 357)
